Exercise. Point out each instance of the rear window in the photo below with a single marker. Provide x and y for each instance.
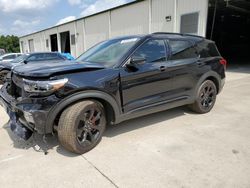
(207, 49)
(181, 49)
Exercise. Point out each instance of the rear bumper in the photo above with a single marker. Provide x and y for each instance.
(26, 115)
(222, 83)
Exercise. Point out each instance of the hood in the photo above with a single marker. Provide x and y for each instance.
(49, 69)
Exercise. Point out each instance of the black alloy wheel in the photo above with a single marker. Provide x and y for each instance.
(206, 97)
(81, 126)
(89, 127)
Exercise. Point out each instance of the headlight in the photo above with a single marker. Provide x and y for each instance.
(43, 86)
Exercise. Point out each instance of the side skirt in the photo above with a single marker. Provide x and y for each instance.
(153, 108)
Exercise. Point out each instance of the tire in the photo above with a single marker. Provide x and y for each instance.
(3, 75)
(205, 98)
(81, 126)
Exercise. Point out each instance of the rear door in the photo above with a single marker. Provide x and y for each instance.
(150, 82)
(184, 65)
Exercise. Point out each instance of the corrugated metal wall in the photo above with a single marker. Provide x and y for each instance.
(129, 20)
(142, 17)
(79, 37)
(96, 29)
(161, 9)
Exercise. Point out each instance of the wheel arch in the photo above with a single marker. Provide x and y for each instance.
(110, 106)
(4, 70)
(211, 75)
(215, 81)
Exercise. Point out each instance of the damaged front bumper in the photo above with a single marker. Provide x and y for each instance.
(16, 126)
(27, 115)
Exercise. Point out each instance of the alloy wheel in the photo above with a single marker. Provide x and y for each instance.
(89, 127)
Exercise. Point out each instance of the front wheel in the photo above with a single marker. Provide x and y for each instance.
(81, 126)
(206, 98)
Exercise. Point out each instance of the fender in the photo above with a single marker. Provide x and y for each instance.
(204, 77)
(77, 97)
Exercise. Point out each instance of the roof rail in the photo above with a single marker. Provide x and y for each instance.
(182, 34)
(167, 33)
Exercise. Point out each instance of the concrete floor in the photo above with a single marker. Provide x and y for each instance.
(174, 148)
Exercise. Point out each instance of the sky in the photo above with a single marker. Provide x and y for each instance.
(21, 17)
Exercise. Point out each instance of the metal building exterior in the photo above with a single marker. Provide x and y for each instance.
(140, 17)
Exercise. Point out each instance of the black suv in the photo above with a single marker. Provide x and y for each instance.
(114, 81)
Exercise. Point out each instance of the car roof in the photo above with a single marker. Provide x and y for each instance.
(128, 37)
(165, 35)
(34, 53)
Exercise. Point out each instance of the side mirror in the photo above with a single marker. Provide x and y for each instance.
(135, 62)
(25, 61)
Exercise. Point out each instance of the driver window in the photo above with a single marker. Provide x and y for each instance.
(153, 51)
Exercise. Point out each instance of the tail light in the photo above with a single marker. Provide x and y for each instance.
(223, 62)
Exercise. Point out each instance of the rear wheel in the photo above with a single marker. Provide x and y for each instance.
(206, 97)
(81, 126)
(3, 75)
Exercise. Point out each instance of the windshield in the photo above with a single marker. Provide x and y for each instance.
(19, 59)
(108, 53)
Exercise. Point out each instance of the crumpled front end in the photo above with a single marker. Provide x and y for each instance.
(16, 125)
(27, 114)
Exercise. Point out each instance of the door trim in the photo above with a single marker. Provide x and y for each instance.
(158, 104)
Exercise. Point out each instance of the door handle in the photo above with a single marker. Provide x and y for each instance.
(162, 68)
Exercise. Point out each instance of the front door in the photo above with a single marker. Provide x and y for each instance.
(150, 83)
